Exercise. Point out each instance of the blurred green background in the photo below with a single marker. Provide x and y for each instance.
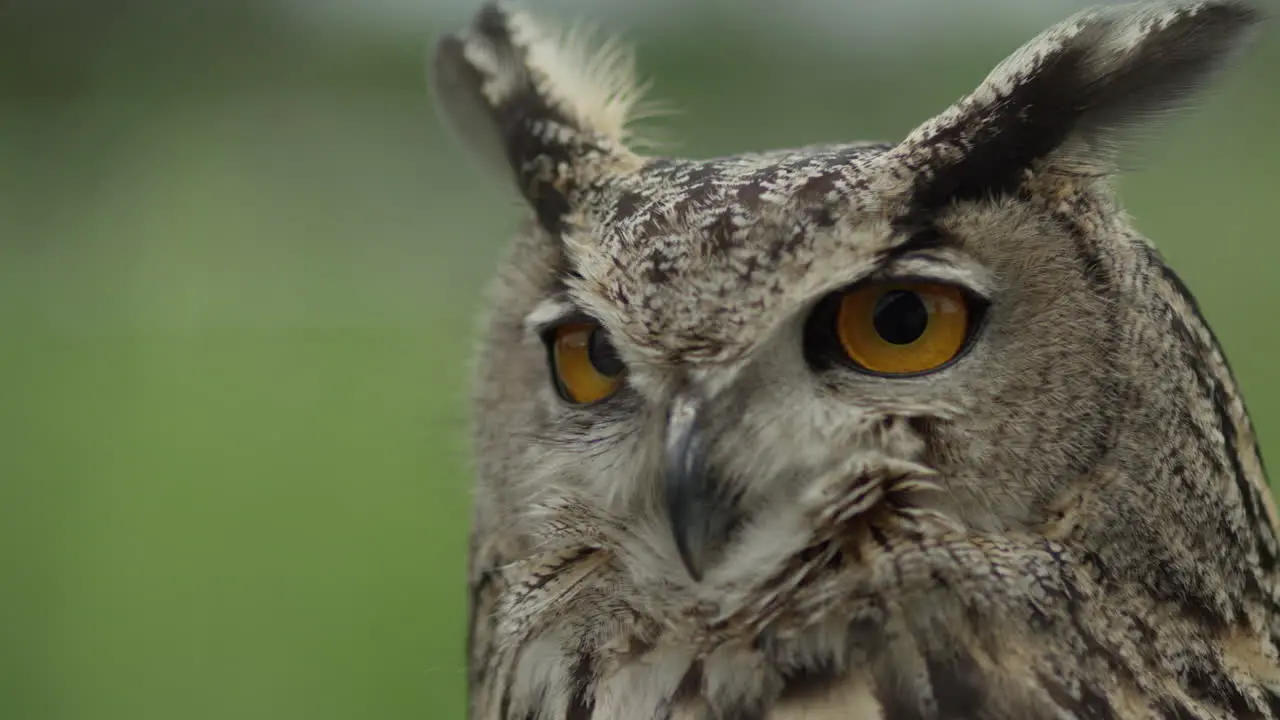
(241, 267)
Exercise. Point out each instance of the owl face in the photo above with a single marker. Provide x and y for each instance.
(679, 348)
(696, 365)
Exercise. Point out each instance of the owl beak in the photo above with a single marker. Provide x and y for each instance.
(699, 514)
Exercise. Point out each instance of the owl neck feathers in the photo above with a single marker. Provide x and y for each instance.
(1176, 509)
(1208, 426)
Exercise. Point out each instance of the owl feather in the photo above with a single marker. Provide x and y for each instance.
(917, 429)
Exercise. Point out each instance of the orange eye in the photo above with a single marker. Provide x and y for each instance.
(902, 328)
(585, 364)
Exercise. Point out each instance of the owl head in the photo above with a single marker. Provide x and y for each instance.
(702, 365)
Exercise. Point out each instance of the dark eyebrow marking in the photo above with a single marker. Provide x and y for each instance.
(920, 240)
(565, 275)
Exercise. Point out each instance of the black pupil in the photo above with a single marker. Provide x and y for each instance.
(900, 317)
(602, 355)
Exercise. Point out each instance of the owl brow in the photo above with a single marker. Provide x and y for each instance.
(952, 267)
(549, 313)
(918, 239)
(929, 254)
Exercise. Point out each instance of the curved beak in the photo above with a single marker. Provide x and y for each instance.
(698, 508)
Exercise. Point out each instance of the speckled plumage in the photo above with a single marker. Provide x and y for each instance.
(1070, 521)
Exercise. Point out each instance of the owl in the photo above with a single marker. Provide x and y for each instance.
(915, 429)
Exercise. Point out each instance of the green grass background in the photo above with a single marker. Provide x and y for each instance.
(240, 275)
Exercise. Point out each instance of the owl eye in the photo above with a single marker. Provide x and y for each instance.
(895, 328)
(585, 365)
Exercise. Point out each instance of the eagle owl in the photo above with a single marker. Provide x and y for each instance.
(917, 429)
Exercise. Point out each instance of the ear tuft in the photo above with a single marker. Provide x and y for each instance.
(1066, 100)
(546, 107)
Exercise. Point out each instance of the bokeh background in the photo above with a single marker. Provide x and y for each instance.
(241, 266)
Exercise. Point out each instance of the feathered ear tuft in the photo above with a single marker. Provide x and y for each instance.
(544, 107)
(1064, 101)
